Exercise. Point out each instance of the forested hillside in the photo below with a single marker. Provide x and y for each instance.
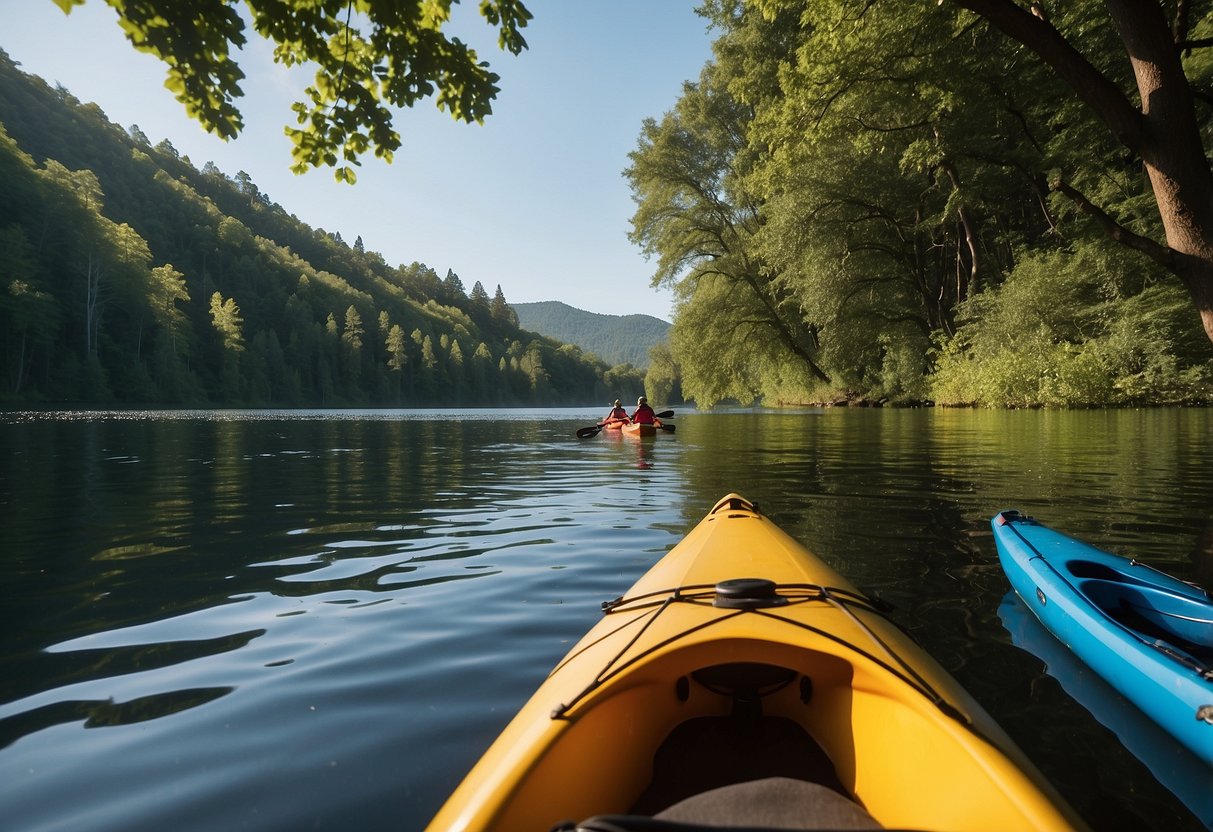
(898, 200)
(617, 339)
(969, 202)
(128, 275)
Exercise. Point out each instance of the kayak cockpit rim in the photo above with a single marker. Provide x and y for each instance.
(709, 595)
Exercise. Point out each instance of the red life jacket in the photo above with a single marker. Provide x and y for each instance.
(644, 415)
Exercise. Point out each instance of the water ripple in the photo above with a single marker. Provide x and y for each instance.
(274, 619)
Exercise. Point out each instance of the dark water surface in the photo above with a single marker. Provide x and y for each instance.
(271, 620)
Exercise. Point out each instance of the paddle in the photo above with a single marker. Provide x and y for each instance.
(665, 414)
(666, 427)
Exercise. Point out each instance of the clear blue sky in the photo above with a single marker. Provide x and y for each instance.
(533, 200)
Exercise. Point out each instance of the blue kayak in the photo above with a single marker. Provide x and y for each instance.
(1146, 633)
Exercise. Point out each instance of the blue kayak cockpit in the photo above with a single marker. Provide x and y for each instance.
(1151, 603)
(1155, 613)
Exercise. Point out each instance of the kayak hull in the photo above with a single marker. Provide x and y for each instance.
(737, 640)
(640, 431)
(1146, 633)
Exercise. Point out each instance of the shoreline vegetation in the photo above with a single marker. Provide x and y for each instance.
(959, 229)
(905, 204)
(909, 404)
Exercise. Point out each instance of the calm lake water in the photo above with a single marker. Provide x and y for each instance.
(296, 620)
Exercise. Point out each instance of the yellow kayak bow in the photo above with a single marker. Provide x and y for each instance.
(744, 682)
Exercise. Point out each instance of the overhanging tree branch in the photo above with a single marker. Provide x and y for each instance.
(1162, 255)
(1108, 101)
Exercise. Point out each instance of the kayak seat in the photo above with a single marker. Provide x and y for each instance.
(767, 804)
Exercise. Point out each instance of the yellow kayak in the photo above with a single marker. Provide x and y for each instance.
(744, 683)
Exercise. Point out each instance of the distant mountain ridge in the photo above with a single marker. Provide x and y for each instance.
(616, 339)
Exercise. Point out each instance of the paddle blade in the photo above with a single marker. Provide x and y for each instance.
(586, 433)
(666, 427)
(666, 414)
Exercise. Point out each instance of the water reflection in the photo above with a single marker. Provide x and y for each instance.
(1202, 557)
(1174, 766)
(643, 451)
(105, 713)
(348, 606)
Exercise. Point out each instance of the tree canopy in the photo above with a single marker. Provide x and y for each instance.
(970, 201)
(855, 199)
(370, 56)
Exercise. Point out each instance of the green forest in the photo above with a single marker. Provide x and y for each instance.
(964, 202)
(130, 277)
(960, 202)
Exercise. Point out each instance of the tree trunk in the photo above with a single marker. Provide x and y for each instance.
(19, 381)
(787, 327)
(968, 226)
(1163, 132)
(91, 279)
(1172, 151)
